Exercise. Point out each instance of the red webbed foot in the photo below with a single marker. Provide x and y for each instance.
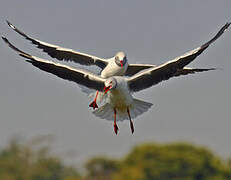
(116, 129)
(132, 126)
(93, 105)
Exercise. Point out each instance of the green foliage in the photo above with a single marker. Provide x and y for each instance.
(20, 161)
(179, 161)
(101, 168)
(173, 161)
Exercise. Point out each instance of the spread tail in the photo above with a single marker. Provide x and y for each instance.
(138, 107)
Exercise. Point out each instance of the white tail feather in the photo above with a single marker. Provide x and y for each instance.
(107, 112)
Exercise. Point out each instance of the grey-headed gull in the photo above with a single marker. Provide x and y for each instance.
(120, 104)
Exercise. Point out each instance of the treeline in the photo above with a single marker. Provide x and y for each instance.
(177, 161)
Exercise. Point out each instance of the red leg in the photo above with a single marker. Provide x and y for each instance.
(94, 104)
(115, 125)
(131, 123)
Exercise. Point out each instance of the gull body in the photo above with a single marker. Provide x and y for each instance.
(119, 96)
(113, 68)
(120, 103)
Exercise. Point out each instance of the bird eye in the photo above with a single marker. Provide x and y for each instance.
(116, 58)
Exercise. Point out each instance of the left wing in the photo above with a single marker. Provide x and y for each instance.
(167, 70)
(63, 54)
(78, 76)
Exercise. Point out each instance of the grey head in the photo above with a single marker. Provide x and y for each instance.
(109, 84)
(120, 59)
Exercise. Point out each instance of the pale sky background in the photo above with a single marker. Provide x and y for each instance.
(194, 108)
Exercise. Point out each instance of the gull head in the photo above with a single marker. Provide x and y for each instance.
(120, 59)
(109, 84)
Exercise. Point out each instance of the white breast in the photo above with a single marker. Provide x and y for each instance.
(120, 97)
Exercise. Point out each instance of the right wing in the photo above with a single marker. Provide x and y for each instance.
(135, 68)
(61, 53)
(155, 75)
(78, 76)
(186, 71)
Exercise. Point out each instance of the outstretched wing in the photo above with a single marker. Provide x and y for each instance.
(154, 75)
(78, 76)
(135, 68)
(61, 53)
(187, 70)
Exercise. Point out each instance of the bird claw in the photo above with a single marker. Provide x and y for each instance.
(132, 127)
(93, 105)
(116, 129)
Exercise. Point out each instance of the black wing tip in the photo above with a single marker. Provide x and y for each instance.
(204, 69)
(220, 32)
(11, 25)
(17, 30)
(226, 26)
(211, 69)
(8, 22)
(5, 39)
(223, 29)
(21, 53)
(7, 42)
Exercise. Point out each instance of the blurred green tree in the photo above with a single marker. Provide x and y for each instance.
(101, 168)
(34, 160)
(178, 161)
(19, 161)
